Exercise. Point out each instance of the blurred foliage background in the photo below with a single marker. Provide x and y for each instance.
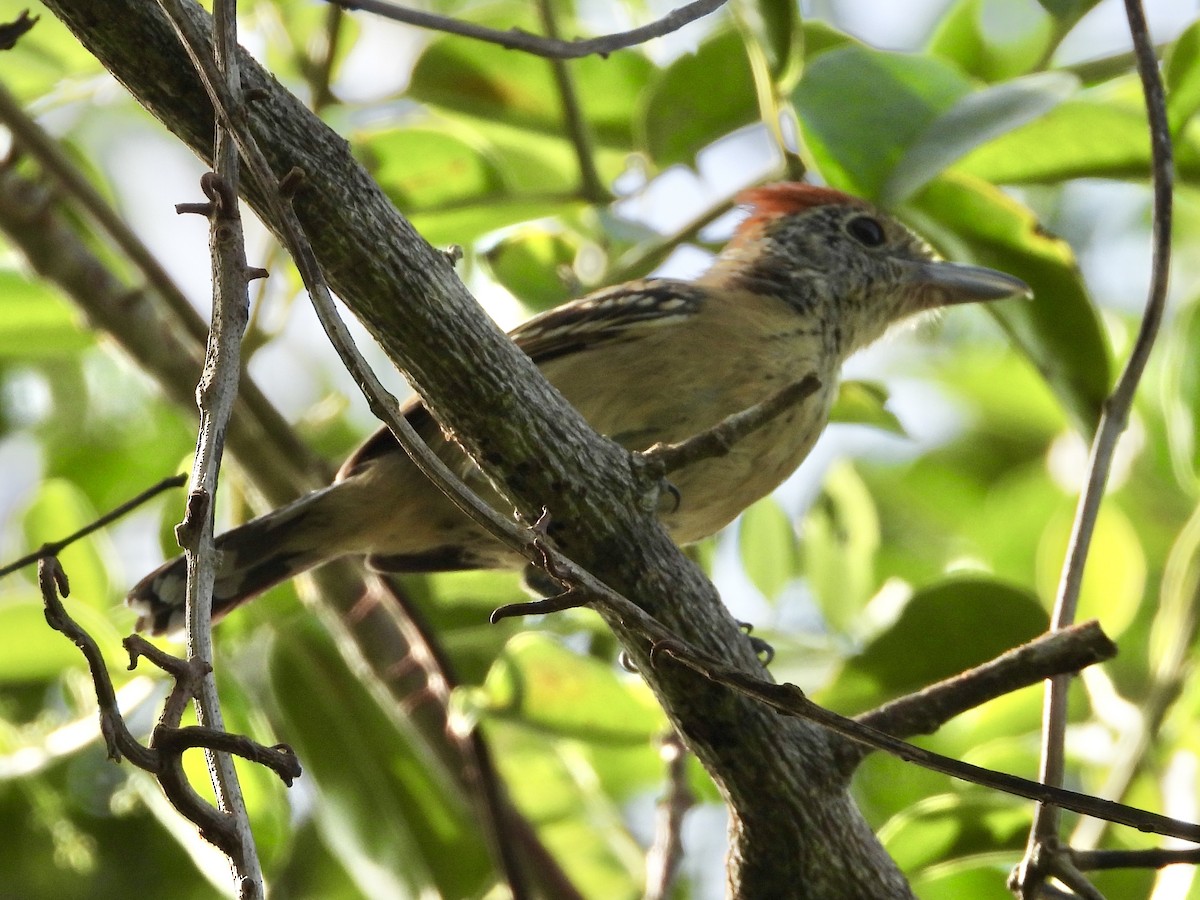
(924, 535)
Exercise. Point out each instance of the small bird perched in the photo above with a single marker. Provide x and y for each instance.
(810, 276)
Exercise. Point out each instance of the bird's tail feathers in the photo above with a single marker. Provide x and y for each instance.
(252, 558)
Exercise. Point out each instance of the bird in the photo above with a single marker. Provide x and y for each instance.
(809, 276)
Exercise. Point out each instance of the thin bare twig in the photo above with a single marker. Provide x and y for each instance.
(590, 185)
(53, 548)
(1155, 858)
(163, 758)
(1112, 422)
(281, 466)
(1177, 617)
(516, 39)
(11, 32)
(319, 71)
(117, 738)
(1049, 654)
(725, 435)
(662, 861)
(383, 404)
(790, 700)
(39, 145)
(215, 395)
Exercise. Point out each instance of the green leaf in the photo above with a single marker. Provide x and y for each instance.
(1181, 394)
(841, 539)
(993, 40)
(1059, 331)
(1182, 75)
(460, 226)
(865, 403)
(944, 629)
(769, 549)
(1102, 135)
(554, 787)
(895, 98)
(490, 83)
(697, 99)
(543, 685)
(38, 323)
(423, 168)
(820, 37)
(777, 30)
(384, 803)
(1114, 579)
(60, 509)
(979, 877)
(949, 826)
(536, 263)
(31, 651)
(974, 120)
(455, 184)
(1070, 11)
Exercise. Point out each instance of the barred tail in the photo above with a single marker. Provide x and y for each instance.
(252, 558)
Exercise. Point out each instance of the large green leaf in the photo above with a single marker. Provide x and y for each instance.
(456, 184)
(384, 805)
(954, 825)
(769, 548)
(1102, 134)
(35, 322)
(861, 110)
(458, 177)
(1182, 77)
(777, 31)
(490, 83)
(944, 629)
(536, 263)
(1082, 138)
(974, 120)
(426, 168)
(992, 39)
(697, 99)
(541, 684)
(1060, 330)
(841, 538)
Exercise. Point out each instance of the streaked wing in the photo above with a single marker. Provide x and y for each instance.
(609, 315)
(614, 314)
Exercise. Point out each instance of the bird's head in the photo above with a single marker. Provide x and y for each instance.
(855, 268)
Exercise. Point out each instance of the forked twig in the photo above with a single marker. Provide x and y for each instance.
(1113, 419)
(550, 47)
(54, 548)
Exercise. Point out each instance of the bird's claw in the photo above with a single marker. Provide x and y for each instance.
(763, 650)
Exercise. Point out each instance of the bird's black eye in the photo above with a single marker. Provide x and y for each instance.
(866, 231)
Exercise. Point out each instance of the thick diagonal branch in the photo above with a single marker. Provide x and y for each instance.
(484, 389)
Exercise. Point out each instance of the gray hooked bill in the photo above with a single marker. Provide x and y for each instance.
(946, 283)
